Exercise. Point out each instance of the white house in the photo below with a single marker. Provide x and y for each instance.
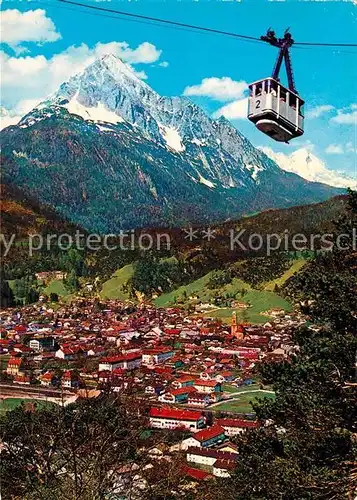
(128, 361)
(221, 468)
(235, 426)
(156, 356)
(210, 457)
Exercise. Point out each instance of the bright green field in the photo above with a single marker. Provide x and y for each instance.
(260, 301)
(296, 266)
(241, 389)
(11, 403)
(242, 404)
(56, 286)
(112, 289)
(197, 287)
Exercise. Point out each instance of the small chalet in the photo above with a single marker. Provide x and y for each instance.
(14, 366)
(223, 468)
(69, 381)
(208, 437)
(207, 386)
(234, 426)
(69, 353)
(183, 381)
(198, 399)
(177, 395)
(46, 379)
(22, 379)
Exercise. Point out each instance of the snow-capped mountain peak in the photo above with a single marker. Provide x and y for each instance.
(304, 163)
(120, 153)
(109, 91)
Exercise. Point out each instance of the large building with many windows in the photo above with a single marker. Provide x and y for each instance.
(170, 418)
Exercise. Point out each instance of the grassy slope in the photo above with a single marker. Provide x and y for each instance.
(242, 404)
(56, 286)
(112, 289)
(297, 265)
(260, 300)
(197, 287)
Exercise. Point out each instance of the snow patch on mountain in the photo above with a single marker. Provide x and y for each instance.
(254, 169)
(172, 138)
(206, 182)
(302, 162)
(97, 113)
(198, 142)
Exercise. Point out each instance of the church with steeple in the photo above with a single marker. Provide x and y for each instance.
(237, 330)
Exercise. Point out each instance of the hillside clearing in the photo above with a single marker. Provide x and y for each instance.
(56, 286)
(296, 266)
(113, 288)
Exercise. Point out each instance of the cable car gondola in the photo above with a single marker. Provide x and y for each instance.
(275, 109)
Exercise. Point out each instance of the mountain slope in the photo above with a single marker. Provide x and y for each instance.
(21, 215)
(108, 152)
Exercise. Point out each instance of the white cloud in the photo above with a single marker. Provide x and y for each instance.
(14, 116)
(221, 89)
(304, 163)
(35, 77)
(7, 119)
(234, 110)
(145, 53)
(346, 116)
(319, 111)
(140, 74)
(350, 147)
(334, 149)
(164, 64)
(29, 26)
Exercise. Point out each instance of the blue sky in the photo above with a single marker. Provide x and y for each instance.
(325, 77)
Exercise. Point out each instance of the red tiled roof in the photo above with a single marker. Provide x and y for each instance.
(225, 464)
(182, 390)
(15, 361)
(235, 422)
(195, 473)
(185, 378)
(6, 341)
(209, 433)
(22, 378)
(122, 357)
(20, 328)
(206, 383)
(175, 414)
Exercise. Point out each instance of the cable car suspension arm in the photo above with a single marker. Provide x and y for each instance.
(283, 44)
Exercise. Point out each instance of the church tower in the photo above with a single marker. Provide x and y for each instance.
(236, 330)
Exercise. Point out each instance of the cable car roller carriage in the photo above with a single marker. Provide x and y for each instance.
(275, 109)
